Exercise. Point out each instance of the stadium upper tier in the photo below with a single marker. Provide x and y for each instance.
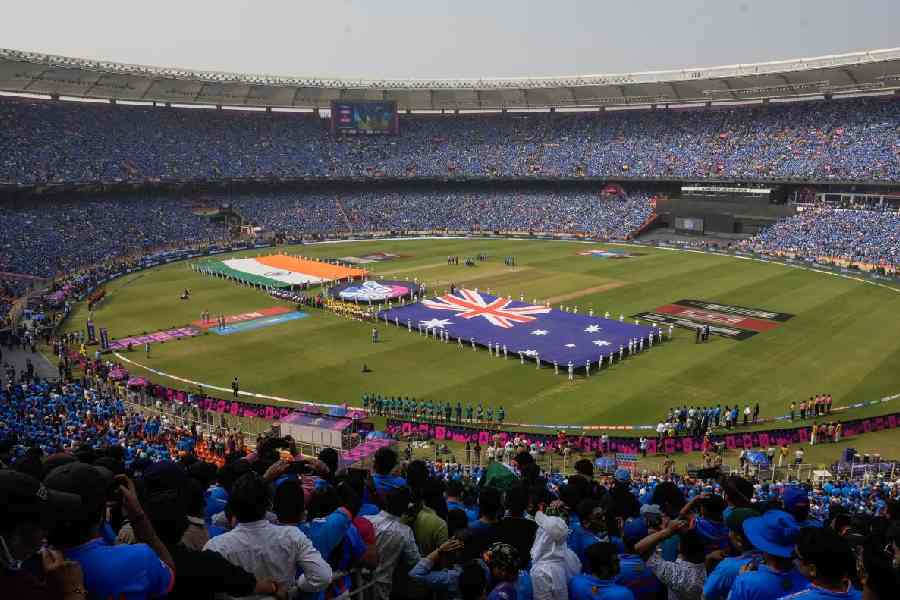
(854, 72)
(53, 142)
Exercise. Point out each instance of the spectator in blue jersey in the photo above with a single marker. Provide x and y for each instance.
(439, 571)
(455, 492)
(633, 572)
(601, 582)
(594, 527)
(385, 460)
(796, 502)
(709, 524)
(774, 534)
(827, 561)
(720, 579)
(132, 572)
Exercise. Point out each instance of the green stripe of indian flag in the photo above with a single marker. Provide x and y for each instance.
(251, 266)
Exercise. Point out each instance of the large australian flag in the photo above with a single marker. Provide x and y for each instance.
(538, 332)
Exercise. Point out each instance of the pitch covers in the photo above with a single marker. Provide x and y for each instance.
(725, 320)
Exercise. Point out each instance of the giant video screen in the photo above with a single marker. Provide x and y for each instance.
(364, 118)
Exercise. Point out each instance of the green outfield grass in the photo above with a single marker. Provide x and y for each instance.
(844, 339)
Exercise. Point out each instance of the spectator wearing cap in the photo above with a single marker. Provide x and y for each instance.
(143, 570)
(201, 573)
(684, 577)
(553, 564)
(633, 572)
(503, 562)
(266, 550)
(29, 511)
(394, 540)
(709, 525)
(774, 534)
(796, 502)
(826, 559)
(720, 579)
(601, 581)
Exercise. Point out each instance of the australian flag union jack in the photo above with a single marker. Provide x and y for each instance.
(538, 332)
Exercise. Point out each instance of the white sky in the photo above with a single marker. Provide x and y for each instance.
(447, 38)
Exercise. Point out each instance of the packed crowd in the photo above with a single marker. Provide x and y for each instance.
(844, 139)
(511, 211)
(53, 237)
(865, 238)
(85, 516)
(100, 501)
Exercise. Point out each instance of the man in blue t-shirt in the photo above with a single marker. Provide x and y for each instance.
(593, 529)
(384, 462)
(127, 572)
(719, 581)
(774, 534)
(825, 558)
(633, 572)
(599, 583)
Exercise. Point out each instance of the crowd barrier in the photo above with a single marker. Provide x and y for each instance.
(668, 445)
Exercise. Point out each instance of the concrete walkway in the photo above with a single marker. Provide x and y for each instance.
(42, 368)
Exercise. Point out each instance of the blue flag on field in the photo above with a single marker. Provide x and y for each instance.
(536, 331)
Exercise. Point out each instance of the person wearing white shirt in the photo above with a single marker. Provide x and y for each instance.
(269, 551)
(394, 540)
(553, 562)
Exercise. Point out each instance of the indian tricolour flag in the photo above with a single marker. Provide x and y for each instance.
(280, 270)
(253, 266)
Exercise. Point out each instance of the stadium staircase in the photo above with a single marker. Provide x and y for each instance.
(363, 451)
(647, 225)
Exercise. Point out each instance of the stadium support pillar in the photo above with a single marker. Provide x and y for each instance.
(268, 109)
(218, 107)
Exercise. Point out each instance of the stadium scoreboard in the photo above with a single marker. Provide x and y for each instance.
(364, 118)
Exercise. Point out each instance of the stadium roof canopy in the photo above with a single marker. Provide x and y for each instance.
(859, 72)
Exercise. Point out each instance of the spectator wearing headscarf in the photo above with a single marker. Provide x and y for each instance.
(552, 562)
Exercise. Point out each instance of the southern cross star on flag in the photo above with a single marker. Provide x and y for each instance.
(536, 331)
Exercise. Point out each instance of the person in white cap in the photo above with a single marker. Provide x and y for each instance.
(552, 562)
